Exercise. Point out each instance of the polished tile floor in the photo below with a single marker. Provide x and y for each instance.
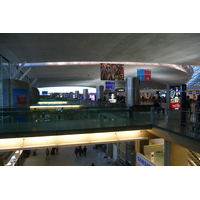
(67, 157)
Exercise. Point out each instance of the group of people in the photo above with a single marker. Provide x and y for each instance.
(157, 107)
(53, 150)
(81, 151)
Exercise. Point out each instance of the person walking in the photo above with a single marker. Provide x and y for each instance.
(34, 152)
(80, 150)
(84, 150)
(47, 153)
(188, 104)
(76, 151)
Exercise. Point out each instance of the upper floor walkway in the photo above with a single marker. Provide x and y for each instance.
(37, 128)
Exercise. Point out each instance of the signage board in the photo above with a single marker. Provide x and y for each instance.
(153, 148)
(142, 161)
(175, 95)
(140, 74)
(44, 92)
(144, 74)
(175, 105)
(120, 90)
(110, 85)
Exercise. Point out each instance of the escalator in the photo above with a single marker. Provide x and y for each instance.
(193, 158)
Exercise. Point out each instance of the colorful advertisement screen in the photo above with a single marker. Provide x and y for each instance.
(110, 85)
(175, 97)
(113, 72)
(92, 97)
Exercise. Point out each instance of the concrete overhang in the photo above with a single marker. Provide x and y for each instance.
(177, 138)
(23, 143)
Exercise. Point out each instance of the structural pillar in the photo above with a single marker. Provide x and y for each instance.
(76, 94)
(132, 91)
(135, 149)
(175, 155)
(71, 95)
(85, 94)
(183, 104)
(99, 92)
(167, 100)
(110, 150)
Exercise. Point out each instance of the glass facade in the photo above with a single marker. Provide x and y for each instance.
(195, 79)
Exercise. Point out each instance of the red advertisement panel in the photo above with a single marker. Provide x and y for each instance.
(175, 105)
(147, 72)
(147, 77)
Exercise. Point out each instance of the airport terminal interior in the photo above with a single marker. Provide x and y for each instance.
(99, 99)
(109, 84)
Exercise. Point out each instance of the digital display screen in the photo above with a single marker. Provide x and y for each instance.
(110, 85)
(44, 92)
(92, 97)
(174, 92)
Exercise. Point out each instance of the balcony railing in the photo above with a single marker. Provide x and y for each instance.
(32, 122)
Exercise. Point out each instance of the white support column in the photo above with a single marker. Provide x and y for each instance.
(24, 74)
(85, 94)
(33, 82)
(13, 70)
(132, 91)
(18, 71)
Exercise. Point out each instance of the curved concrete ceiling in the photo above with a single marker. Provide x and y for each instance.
(180, 49)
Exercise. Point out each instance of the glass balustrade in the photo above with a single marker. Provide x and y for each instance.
(34, 122)
(16, 123)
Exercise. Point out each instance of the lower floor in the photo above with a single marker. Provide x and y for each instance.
(136, 153)
(66, 157)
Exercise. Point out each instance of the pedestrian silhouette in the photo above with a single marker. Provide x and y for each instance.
(34, 152)
(47, 153)
(80, 150)
(84, 150)
(76, 151)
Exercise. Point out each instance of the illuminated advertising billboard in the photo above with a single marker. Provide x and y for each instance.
(110, 85)
(144, 74)
(113, 72)
(175, 97)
